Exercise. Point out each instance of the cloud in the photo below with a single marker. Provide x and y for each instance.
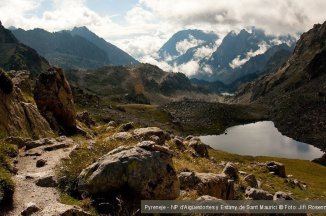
(161, 64)
(189, 69)
(204, 52)
(277, 16)
(14, 11)
(207, 69)
(138, 15)
(237, 62)
(184, 45)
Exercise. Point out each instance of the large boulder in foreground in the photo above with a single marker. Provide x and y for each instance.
(145, 170)
(216, 185)
(54, 99)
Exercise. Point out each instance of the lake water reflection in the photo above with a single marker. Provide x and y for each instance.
(261, 139)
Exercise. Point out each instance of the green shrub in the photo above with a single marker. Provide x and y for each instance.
(6, 183)
(6, 186)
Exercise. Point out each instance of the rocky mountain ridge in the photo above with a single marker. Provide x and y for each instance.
(238, 55)
(17, 56)
(143, 83)
(296, 91)
(183, 45)
(76, 49)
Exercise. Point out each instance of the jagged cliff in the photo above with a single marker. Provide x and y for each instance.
(19, 115)
(54, 99)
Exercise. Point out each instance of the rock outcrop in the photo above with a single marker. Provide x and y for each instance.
(257, 194)
(151, 133)
(31, 208)
(18, 116)
(179, 144)
(231, 171)
(216, 185)
(54, 99)
(277, 168)
(199, 147)
(29, 143)
(206, 198)
(282, 196)
(251, 180)
(86, 119)
(145, 170)
(126, 127)
(121, 136)
(58, 209)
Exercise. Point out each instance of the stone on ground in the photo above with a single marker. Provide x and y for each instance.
(146, 169)
(257, 194)
(216, 185)
(277, 168)
(148, 134)
(231, 171)
(251, 180)
(199, 147)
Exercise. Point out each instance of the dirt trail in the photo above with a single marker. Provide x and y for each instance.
(26, 190)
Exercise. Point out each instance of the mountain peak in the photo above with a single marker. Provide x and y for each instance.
(244, 32)
(17, 56)
(6, 36)
(80, 28)
(77, 48)
(191, 37)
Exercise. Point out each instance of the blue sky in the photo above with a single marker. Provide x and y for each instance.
(111, 7)
(115, 10)
(141, 27)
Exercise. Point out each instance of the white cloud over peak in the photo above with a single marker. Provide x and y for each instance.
(184, 45)
(204, 52)
(190, 68)
(237, 62)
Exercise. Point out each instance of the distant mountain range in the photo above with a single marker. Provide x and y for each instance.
(237, 56)
(187, 45)
(77, 49)
(17, 56)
